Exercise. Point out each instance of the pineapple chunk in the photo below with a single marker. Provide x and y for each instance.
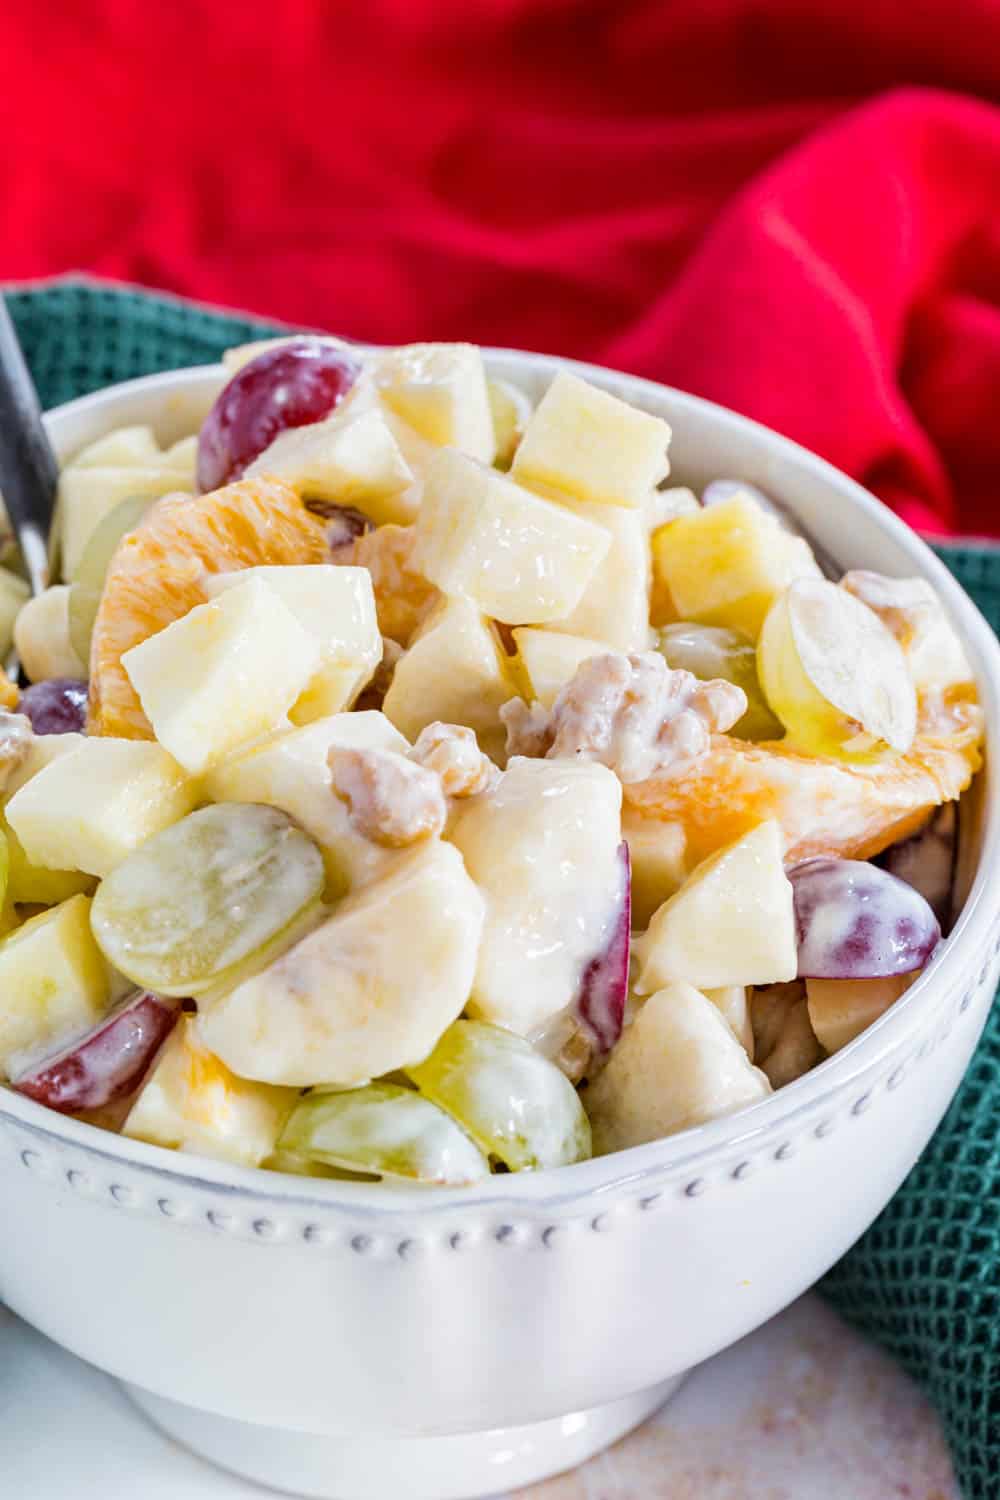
(290, 771)
(41, 637)
(455, 670)
(369, 991)
(120, 448)
(677, 1065)
(614, 607)
(524, 560)
(191, 1102)
(53, 980)
(549, 659)
(88, 494)
(14, 595)
(440, 390)
(350, 458)
(841, 1009)
(659, 865)
(592, 446)
(87, 810)
(731, 922)
(727, 563)
(226, 672)
(337, 607)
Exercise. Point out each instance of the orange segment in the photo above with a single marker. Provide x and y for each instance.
(403, 597)
(824, 806)
(157, 574)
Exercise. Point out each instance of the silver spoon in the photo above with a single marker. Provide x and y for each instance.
(29, 471)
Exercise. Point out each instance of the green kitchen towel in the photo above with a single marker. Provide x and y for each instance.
(924, 1280)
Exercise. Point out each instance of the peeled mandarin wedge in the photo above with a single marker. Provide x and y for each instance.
(824, 805)
(158, 573)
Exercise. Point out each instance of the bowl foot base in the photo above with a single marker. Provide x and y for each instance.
(372, 1467)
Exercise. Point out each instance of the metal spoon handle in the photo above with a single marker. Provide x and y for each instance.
(28, 468)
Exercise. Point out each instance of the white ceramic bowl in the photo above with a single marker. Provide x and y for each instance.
(354, 1341)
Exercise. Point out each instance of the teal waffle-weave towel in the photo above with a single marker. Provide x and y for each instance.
(924, 1280)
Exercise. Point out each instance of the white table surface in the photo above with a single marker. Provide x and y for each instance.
(801, 1410)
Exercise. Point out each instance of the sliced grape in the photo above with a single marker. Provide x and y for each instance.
(87, 583)
(105, 1065)
(194, 903)
(833, 673)
(56, 706)
(713, 651)
(515, 1104)
(287, 385)
(855, 921)
(385, 1129)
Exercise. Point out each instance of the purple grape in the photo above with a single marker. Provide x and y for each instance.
(57, 706)
(288, 386)
(604, 986)
(855, 921)
(106, 1064)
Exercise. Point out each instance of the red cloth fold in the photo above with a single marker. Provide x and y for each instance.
(790, 206)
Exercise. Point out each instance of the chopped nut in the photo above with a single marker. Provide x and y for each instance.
(16, 735)
(452, 752)
(630, 713)
(392, 801)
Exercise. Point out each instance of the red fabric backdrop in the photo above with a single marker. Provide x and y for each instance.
(791, 206)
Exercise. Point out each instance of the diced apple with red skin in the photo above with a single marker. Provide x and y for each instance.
(106, 1064)
(677, 1065)
(543, 846)
(368, 992)
(604, 984)
(53, 979)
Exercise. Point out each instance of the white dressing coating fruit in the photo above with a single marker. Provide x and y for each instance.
(841, 1009)
(292, 771)
(542, 846)
(350, 458)
(224, 673)
(727, 563)
(201, 898)
(677, 1065)
(89, 809)
(386, 1130)
(614, 607)
(191, 1102)
(369, 991)
(53, 980)
(731, 922)
(455, 671)
(514, 1103)
(440, 390)
(592, 445)
(42, 638)
(856, 921)
(334, 605)
(833, 673)
(524, 560)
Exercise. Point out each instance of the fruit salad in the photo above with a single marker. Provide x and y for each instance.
(408, 781)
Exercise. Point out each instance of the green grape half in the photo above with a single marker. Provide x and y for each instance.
(383, 1129)
(197, 902)
(710, 651)
(87, 583)
(515, 1104)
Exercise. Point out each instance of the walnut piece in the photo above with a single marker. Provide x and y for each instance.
(392, 801)
(633, 714)
(452, 752)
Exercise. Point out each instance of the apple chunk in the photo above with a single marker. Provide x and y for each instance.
(192, 1102)
(226, 672)
(441, 391)
(549, 658)
(677, 1065)
(543, 846)
(351, 458)
(614, 607)
(105, 1065)
(336, 606)
(89, 809)
(731, 922)
(369, 991)
(524, 560)
(53, 980)
(841, 1009)
(592, 445)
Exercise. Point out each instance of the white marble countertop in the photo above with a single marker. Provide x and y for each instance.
(803, 1409)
